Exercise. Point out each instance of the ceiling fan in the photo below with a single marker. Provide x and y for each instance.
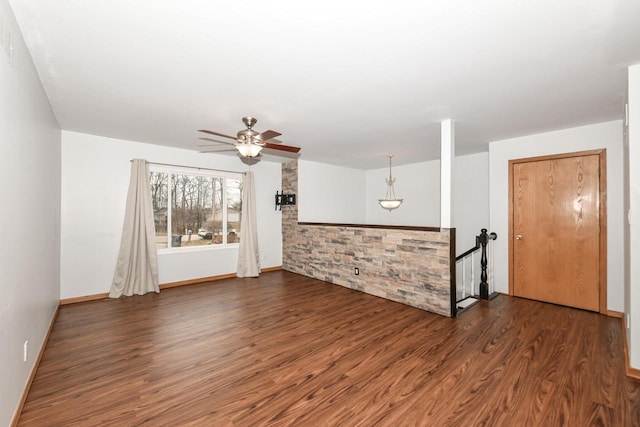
(248, 141)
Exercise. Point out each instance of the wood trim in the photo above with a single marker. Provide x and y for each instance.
(212, 278)
(510, 228)
(83, 298)
(34, 369)
(452, 271)
(558, 156)
(196, 281)
(629, 371)
(616, 314)
(389, 227)
(603, 230)
(166, 285)
(602, 153)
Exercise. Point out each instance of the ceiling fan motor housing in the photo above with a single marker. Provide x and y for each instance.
(249, 136)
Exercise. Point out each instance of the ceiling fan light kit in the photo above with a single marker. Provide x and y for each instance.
(249, 142)
(390, 201)
(248, 149)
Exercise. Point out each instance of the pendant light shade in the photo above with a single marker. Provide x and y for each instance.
(390, 204)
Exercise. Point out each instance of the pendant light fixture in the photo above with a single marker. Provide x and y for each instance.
(390, 201)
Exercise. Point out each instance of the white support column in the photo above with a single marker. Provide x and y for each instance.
(447, 153)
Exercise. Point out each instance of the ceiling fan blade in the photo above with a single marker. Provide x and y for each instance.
(216, 141)
(281, 147)
(269, 134)
(210, 132)
(226, 150)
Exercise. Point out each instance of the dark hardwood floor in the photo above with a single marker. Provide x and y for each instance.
(288, 350)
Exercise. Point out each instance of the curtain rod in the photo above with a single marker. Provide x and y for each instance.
(191, 167)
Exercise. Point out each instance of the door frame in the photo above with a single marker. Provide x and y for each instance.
(602, 202)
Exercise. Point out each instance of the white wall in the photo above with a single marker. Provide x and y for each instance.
(330, 193)
(95, 178)
(417, 183)
(29, 216)
(603, 135)
(633, 281)
(470, 199)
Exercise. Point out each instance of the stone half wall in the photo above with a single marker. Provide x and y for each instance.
(410, 265)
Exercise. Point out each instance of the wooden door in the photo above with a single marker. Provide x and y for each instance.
(556, 230)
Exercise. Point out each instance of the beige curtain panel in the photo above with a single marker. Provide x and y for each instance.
(248, 252)
(137, 267)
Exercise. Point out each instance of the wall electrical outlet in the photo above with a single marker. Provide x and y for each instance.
(356, 271)
(26, 351)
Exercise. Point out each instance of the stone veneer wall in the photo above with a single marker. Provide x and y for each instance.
(410, 265)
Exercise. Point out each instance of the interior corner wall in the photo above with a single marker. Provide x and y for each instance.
(606, 135)
(335, 194)
(329, 193)
(419, 185)
(29, 216)
(633, 281)
(95, 180)
(627, 229)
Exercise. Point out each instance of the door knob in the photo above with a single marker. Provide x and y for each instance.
(518, 236)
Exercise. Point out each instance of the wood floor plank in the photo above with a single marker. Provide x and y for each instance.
(287, 350)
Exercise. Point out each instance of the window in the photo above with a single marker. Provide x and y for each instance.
(195, 209)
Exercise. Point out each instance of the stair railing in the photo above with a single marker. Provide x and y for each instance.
(484, 288)
(466, 288)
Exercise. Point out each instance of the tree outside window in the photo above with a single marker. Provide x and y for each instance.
(198, 210)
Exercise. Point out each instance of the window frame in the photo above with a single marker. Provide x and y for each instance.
(194, 171)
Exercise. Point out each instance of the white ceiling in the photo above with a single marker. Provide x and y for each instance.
(347, 80)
